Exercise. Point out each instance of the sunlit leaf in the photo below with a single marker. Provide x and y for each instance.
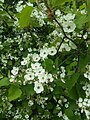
(14, 92)
(4, 82)
(24, 16)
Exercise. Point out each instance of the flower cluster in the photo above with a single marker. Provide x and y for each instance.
(39, 15)
(66, 20)
(35, 73)
(84, 103)
(44, 60)
(87, 73)
(20, 6)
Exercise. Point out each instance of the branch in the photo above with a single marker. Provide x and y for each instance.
(60, 45)
(8, 13)
(63, 31)
(65, 36)
(47, 5)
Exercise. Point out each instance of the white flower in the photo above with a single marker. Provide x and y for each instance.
(29, 49)
(80, 104)
(29, 70)
(35, 13)
(62, 68)
(42, 15)
(29, 76)
(80, 100)
(87, 112)
(30, 103)
(27, 116)
(62, 75)
(44, 53)
(57, 13)
(49, 78)
(20, 2)
(24, 62)
(39, 71)
(52, 51)
(66, 46)
(35, 57)
(41, 22)
(62, 47)
(15, 70)
(38, 87)
(87, 75)
(69, 26)
(69, 16)
(2, 1)
(12, 79)
(51, 89)
(19, 6)
(35, 65)
(83, 11)
(29, 4)
(60, 19)
(62, 79)
(42, 78)
(72, 45)
(60, 114)
(65, 117)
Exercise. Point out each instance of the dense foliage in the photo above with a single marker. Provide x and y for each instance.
(45, 60)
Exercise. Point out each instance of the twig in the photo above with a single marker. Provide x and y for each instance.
(67, 58)
(8, 13)
(60, 26)
(78, 62)
(64, 32)
(60, 45)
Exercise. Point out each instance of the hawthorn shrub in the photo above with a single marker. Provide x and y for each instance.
(45, 60)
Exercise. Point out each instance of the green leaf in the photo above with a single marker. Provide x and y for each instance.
(34, 22)
(70, 111)
(83, 6)
(4, 82)
(28, 89)
(32, 0)
(49, 105)
(46, 112)
(84, 60)
(79, 86)
(70, 82)
(1, 76)
(14, 92)
(24, 16)
(48, 64)
(57, 62)
(58, 90)
(55, 111)
(57, 3)
(74, 6)
(73, 93)
(73, 64)
(80, 20)
(60, 83)
(88, 11)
